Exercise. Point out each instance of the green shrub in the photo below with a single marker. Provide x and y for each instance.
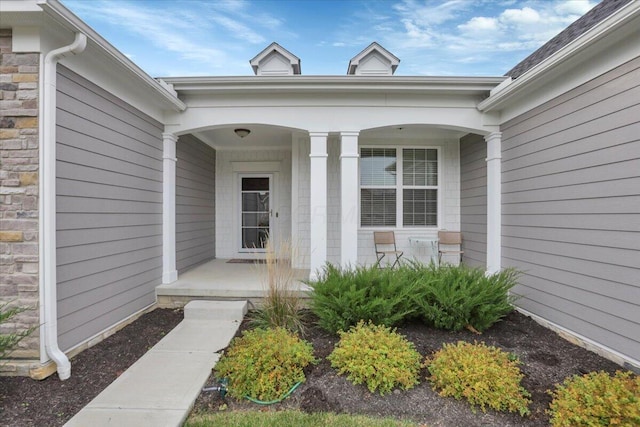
(377, 356)
(281, 306)
(456, 297)
(9, 341)
(264, 363)
(485, 376)
(597, 399)
(341, 298)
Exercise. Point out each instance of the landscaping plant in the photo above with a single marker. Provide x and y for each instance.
(264, 364)
(343, 297)
(485, 376)
(8, 341)
(597, 399)
(377, 356)
(281, 306)
(456, 297)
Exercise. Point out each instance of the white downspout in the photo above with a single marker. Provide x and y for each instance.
(48, 186)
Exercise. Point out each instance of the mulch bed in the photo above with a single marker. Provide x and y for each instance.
(51, 402)
(547, 360)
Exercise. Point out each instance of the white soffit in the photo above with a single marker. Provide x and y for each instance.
(275, 60)
(374, 60)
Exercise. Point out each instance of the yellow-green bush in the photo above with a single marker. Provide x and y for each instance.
(484, 375)
(377, 356)
(264, 363)
(597, 399)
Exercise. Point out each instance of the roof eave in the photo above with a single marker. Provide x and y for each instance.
(419, 84)
(63, 15)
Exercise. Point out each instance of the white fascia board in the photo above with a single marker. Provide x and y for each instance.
(64, 16)
(501, 97)
(419, 84)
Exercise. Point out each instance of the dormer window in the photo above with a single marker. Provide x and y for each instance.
(373, 61)
(275, 61)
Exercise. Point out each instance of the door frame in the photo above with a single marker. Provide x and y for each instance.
(272, 176)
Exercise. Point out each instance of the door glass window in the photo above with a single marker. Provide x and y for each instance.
(255, 212)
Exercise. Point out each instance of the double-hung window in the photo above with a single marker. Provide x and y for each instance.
(399, 187)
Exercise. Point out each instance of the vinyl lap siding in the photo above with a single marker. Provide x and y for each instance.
(109, 209)
(195, 202)
(473, 200)
(571, 209)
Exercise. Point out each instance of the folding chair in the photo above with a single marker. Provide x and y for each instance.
(384, 241)
(448, 239)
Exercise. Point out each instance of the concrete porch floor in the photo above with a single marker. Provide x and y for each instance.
(219, 280)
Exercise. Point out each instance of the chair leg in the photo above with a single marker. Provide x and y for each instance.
(380, 256)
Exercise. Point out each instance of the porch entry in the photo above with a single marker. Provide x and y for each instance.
(256, 201)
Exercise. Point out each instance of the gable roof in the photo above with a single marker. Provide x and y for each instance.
(275, 49)
(572, 32)
(374, 47)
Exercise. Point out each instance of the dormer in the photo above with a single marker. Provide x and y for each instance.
(374, 60)
(275, 61)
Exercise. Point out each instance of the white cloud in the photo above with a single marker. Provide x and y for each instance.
(574, 7)
(525, 15)
(478, 24)
(238, 30)
(429, 13)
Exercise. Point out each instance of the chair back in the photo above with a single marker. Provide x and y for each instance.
(450, 237)
(384, 238)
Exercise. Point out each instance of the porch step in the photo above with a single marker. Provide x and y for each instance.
(215, 310)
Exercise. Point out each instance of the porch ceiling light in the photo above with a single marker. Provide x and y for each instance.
(242, 132)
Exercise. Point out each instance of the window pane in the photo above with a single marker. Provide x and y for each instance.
(420, 166)
(250, 219)
(255, 184)
(250, 202)
(378, 207)
(378, 166)
(250, 238)
(432, 172)
(420, 207)
(255, 202)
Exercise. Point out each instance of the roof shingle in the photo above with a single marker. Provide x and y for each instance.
(572, 32)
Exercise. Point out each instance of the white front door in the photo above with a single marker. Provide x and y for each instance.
(256, 200)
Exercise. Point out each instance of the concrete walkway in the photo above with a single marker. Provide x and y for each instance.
(161, 387)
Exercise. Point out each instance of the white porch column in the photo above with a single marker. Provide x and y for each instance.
(169, 272)
(318, 202)
(494, 202)
(349, 198)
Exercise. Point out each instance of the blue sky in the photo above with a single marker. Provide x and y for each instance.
(431, 37)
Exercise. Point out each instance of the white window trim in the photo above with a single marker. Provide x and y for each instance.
(399, 187)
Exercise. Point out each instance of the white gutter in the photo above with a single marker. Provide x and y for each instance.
(48, 277)
(321, 84)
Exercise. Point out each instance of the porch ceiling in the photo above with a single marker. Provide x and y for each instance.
(262, 136)
(273, 137)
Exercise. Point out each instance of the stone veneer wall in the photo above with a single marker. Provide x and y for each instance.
(19, 196)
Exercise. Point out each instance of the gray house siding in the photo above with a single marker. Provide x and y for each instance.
(473, 200)
(571, 209)
(109, 209)
(195, 203)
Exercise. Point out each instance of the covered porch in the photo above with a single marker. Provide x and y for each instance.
(223, 279)
(311, 147)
